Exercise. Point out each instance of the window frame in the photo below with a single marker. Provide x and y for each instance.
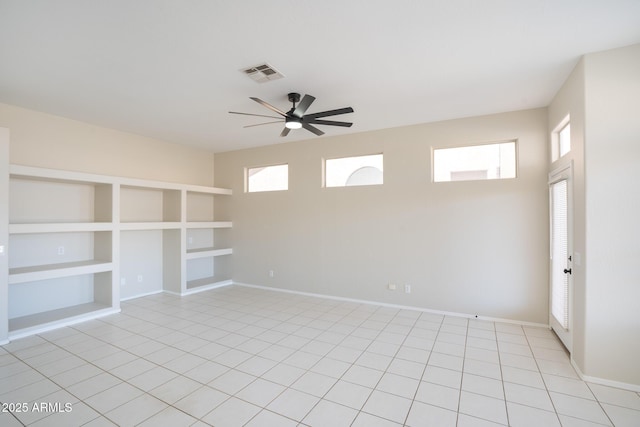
(246, 177)
(555, 139)
(516, 152)
(324, 170)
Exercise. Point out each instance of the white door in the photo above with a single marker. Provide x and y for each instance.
(561, 256)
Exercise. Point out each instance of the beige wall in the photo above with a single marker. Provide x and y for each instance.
(612, 210)
(43, 140)
(602, 97)
(4, 230)
(468, 247)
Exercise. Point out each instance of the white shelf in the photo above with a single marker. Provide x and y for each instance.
(59, 227)
(208, 190)
(208, 252)
(29, 172)
(28, 325)
(128, 226)
(209, 224)
(206, 283)
(54, 271)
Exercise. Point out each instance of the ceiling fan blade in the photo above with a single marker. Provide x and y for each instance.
(303, 105)
(329, 113)
(328, 123)
(257, 115)
(260, 124)
(269, 106)
(312, 129)
(285, 132)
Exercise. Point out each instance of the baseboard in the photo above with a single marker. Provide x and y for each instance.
(202, 288)
(182, 294)
(398, 306)
(603, 381)
(177, 294)
(141, 295)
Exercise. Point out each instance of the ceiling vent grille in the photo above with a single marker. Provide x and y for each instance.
(262, 73)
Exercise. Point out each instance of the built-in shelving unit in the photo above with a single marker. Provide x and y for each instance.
(61, 249)
(207, 241)
(151, 226)
(81, 242)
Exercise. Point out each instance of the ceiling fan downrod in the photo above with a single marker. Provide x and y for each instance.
(294, 98)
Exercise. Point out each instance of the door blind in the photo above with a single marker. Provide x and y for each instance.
(559, 254)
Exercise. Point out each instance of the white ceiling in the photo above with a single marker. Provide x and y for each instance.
(169, 69)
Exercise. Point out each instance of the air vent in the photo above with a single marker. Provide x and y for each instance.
(262, 73)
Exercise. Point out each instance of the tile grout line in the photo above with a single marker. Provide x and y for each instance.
(535, 360)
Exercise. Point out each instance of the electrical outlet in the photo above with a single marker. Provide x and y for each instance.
(1, 249)
(407, 289)
(392, 287)
(190, 240)
(139, 278)
(60, 250)
(271, 273)
(123, 281)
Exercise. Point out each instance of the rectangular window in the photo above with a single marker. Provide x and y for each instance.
(475, 162)
(564, 139)
(350, 171)
(561, 140)
(267, 178)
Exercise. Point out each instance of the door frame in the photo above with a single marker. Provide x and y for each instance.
(4, 235)
(562, 173)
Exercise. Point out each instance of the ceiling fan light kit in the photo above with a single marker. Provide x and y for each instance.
(292, 123)
(295, 118)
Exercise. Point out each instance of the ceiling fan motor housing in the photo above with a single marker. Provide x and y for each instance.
(293, 97)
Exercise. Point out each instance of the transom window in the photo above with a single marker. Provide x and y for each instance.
(267, 178)
(350, 171)
(561, 140)
(475, 162)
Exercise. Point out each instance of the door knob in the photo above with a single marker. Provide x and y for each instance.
(567, 271)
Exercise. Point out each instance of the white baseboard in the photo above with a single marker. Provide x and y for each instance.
(201, 288)
(177, 294)
(398, 306)
(141, 295)
(604, 381)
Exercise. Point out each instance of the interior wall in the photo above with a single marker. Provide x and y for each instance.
(612, 211)
(476, 247)
(4, 231)
(141, 275)
(48, 141)
(44, 140)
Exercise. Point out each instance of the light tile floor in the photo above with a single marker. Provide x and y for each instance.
(243, 356)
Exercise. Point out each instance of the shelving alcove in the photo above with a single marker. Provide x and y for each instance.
(79, 243)
(61, 251)
(207, 263)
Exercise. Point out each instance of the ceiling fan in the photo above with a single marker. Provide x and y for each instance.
(296, 118)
